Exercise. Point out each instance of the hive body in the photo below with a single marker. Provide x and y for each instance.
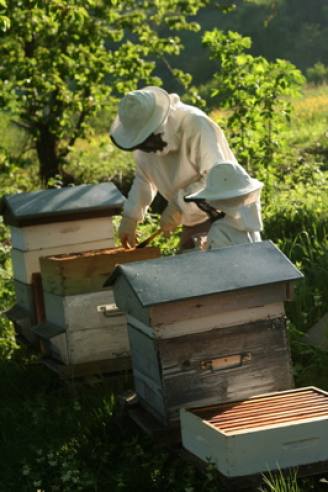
(207, 327)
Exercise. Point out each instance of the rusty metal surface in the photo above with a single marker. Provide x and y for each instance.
(271, 410)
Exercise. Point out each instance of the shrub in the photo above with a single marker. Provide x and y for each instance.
(318, 74)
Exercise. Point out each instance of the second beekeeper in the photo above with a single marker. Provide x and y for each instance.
(232, 197)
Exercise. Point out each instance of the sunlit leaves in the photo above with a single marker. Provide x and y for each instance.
(256, 93)
(62, 61)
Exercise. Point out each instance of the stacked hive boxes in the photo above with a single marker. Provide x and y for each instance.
(51, 222)
(208, 338)
(83, 325)
(207, 327)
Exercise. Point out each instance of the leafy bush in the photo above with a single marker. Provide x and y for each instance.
(255, 92)
(318, 74)
(96, 159)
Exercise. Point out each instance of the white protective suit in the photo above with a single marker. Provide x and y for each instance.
(195, 144)
(241, 224)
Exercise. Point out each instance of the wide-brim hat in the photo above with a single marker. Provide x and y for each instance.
(226, 180)
(140, 113)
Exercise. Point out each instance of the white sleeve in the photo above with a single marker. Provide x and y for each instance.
(141, 194)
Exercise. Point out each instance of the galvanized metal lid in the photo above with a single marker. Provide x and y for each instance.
(61, 204)
(200, 273)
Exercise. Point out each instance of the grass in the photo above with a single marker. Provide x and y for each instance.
(60, 437)
(280, 482)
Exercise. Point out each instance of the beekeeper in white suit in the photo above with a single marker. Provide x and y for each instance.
(232, 192)
(174, 145)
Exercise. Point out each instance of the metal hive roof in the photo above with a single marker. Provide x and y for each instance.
(199, 273)
(54, 204)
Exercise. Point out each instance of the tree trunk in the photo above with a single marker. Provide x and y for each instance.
(46, 146)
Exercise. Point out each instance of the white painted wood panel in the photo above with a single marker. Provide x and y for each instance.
(207, 323)
(256, 450)
(61, 233)
(90, 345)
(210, 305)
(25, 263)
(58, 348)
(83, 311)
(108, 342)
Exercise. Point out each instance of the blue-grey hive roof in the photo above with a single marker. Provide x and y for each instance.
(197, 274)
(58, 204)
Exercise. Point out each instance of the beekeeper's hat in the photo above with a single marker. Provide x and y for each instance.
(140, 113)
(226, 180)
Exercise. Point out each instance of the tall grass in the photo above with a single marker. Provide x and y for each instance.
(280, 483)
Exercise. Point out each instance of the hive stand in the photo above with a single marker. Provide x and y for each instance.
(50, 222)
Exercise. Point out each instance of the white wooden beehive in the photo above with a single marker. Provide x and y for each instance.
(58, 221)
(263, 433)
(55, 221)
(83, 328)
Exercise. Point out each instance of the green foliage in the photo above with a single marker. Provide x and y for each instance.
(96, 159)
(318, 74)
(4, 20)
(255, 93)
(63, 61)
(7, 341)
(294, 30)
(13, 179)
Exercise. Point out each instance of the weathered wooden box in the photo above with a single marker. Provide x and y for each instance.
(83, 323)
(207, 327)
(52, 222)
(260, 434)
(59, 221)
(78, 273)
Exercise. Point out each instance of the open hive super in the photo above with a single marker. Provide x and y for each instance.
(263, 411)
(267, 432)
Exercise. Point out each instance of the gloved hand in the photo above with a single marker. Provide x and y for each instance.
(127, 232)
(170, 218)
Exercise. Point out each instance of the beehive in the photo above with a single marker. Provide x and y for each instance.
(207, 327)
(50, 222)
(267, 432)
(83, 324)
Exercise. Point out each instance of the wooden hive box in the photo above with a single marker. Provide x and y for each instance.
(59, 221)
(207, 327)
(83, 323)
(263, 433)
(55, 221)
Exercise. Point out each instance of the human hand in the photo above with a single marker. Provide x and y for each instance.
(127, 232)
(170, 218)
